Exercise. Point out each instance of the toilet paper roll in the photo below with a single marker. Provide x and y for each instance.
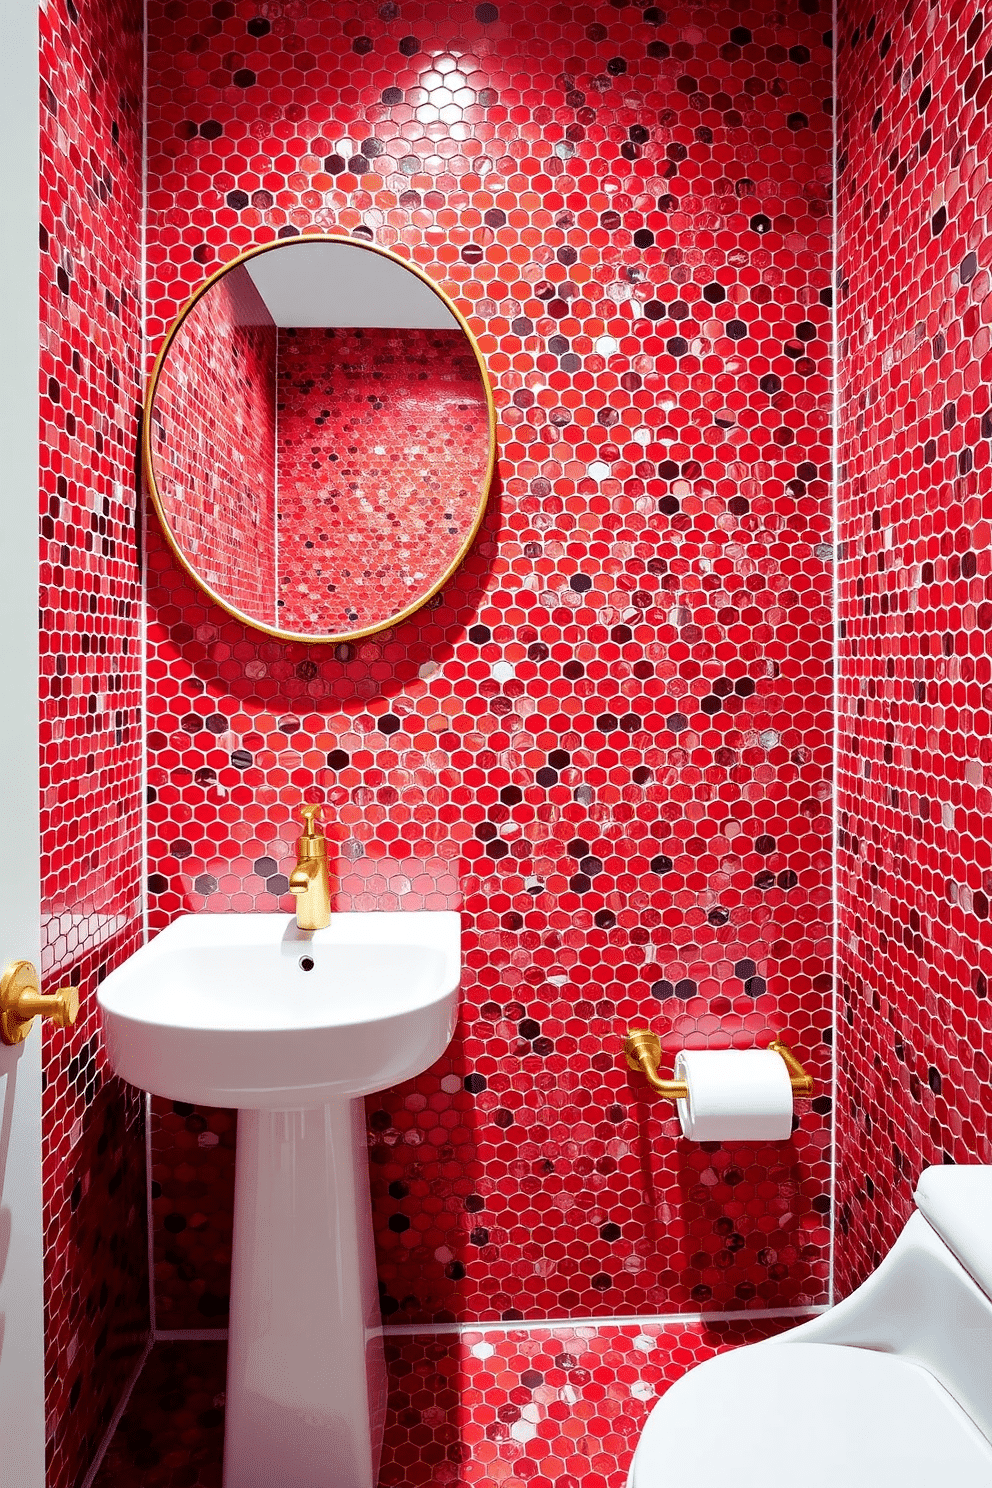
(735, 1095)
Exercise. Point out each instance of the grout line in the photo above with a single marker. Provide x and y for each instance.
(140, 528)
(141, 513)
(149, 1217)
(191, 1335)
(411, 1330)
(143, 645)
(275, 496)
(655, 1320)
(115, 1419)
(835, 659)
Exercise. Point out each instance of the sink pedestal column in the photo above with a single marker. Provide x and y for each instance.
(306, 1381)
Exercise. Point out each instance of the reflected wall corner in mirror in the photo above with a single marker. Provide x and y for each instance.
(319, 438)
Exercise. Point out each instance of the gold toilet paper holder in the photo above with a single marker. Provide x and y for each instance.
(642, 1050)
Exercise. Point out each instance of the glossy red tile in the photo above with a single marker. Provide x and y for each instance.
(96, 1287)
(915, 945)
(96, 1272)
(192, 1195)
(213, 444)
(560, 1406)
(172, 1433)
(607, 741)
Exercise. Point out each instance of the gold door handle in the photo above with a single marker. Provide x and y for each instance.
(21, 1001)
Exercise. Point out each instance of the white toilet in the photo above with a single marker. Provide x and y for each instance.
(892, 1388)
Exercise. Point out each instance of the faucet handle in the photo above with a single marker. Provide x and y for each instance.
(308, 812)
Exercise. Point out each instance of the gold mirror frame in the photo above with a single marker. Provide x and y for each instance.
(149, 472)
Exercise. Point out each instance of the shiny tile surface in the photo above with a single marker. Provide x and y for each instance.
(914, 869)
(172, 1433)
(383, 452)
(96, 1295)
(607, 741)
(555, 1408)
(560, 1407)
(213, 444)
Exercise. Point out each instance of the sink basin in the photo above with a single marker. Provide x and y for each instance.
(293, 1027)
(249, 1011)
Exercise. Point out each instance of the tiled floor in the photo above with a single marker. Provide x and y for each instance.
(172, 1433)
(555, 1407)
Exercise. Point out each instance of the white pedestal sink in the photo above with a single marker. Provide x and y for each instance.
(293, 1027)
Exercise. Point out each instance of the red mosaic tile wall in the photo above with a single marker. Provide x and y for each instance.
(96, 1285)
(213, 443)
(607, 741)
(96, 1255)
(399, 469)
(192, 1195)
(915, 253)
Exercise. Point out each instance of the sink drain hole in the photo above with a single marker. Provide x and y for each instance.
(306, 963)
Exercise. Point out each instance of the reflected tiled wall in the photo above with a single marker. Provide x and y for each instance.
(213, 444)
(96, 1289)
(397, 438)
(607, 741)
(915, 1034)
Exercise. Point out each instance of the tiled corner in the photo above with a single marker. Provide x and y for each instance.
(96, 1287)
(172, 1433)
(560, 1407)
(96, 1249)
(914, 868)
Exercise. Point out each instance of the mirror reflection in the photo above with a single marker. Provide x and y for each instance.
(319, 438)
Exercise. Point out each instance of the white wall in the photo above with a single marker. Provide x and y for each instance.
(22, 1373)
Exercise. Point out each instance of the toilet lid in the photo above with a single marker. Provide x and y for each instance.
(775, 1415)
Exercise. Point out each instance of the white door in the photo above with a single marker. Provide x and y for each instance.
(22, 1369)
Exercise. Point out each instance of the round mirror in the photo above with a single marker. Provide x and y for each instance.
(319, 438)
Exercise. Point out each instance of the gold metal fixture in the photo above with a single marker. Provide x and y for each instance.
(642, 1051)
(310, 880)
(802, 1083)
(21, 1001)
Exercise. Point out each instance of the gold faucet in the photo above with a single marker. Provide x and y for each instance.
(309, 880)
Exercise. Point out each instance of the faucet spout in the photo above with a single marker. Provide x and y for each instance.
(310, 879)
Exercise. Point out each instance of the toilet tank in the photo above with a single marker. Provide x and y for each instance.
(929, 1300)
(957, 1203)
